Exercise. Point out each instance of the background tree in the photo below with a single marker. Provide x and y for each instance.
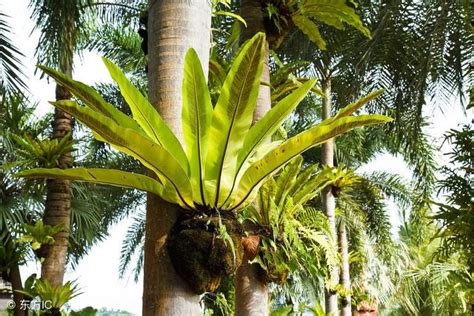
(11, 75)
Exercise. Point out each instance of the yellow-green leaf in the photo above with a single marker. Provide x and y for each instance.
(197, 115)
(151, 154)
(294, 146)
(232, 118)
(310, 29)
(146, 115)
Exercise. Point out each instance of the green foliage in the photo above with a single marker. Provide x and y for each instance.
(39, 234)
(42, 153)
(303, 14)
(86, 311)
(234, 165)
(427, 283)
(11, 77)
(292, 237)
(56, 296)
(456, 214)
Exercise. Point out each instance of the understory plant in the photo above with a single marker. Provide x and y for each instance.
(222, 165)
(289, 241)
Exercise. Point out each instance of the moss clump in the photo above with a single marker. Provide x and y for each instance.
(200, 255)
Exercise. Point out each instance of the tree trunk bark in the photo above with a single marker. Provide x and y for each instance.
(15, 279)
(346, 309)
(58, 199)
(251, 292)
(329, 203)
(174, 26)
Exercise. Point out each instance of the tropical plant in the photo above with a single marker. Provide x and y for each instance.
(429, 284)
(39, 234)
(52, 298)
(282, 16)
(456, 213)
(289, 240)
(11, 76)
(216, 174)
(61, 25)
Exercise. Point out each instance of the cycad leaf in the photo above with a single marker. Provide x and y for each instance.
(310, 29)
(197, 116)
(91, 98)
(100, 176)
(232, 118)
(146, 115)
(294, 146)
(150, 154)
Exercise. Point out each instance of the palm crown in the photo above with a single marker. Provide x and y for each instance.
(225, 158)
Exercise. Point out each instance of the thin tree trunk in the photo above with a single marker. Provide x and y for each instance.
(15, 279)
(329, 203)
(251, 292)
(58, 199)
(346, 309)
(174, 26)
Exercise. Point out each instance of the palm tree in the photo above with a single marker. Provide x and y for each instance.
(173, 27)
(60, 25)
(277, 19)
(399, 51)
(11, 76)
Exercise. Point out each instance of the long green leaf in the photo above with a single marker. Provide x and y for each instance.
(151, 154)
(147, 116)
(310, 29)
(91, 98)
(100, 176)
(334, 13)
(197, 116)
(232, 118)
(294, 146)
(352, 107)
(270, 122)
(267, 125)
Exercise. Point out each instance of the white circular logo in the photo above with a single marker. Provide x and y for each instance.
(11, 305)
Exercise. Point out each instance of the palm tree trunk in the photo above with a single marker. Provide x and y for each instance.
(346, 309)
(329, 203)
(58, 199)
(251, 291)
(15, 279)
(174, 26)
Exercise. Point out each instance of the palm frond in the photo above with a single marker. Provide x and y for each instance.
(11, 68)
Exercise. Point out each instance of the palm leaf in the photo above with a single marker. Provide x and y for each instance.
(11, 76)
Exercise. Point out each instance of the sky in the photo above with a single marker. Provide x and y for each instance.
(97, 273)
